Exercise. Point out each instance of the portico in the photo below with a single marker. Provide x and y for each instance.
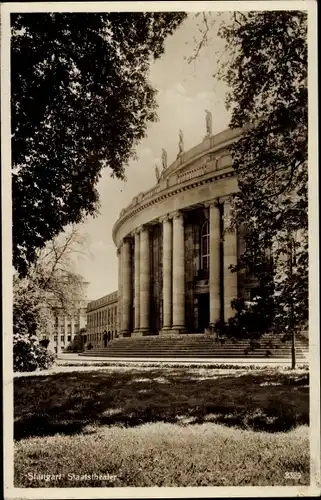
(174, 252)
(135, 254)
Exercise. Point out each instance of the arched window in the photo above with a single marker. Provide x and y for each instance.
(205, 245)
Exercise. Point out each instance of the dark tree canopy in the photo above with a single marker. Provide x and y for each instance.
(81, 101)
(267, 75)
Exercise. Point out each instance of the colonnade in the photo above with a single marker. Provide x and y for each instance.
(137, 292)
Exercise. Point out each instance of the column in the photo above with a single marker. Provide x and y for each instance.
(167, 273)
(119, 291)
(137, 281)
(178, 272)
(65, 331)
(126, 288)
(58, 333)
(214, 267)
(72, 326)
(229, 258)
(144, 283)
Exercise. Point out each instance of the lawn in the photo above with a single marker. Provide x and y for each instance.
(162, 427)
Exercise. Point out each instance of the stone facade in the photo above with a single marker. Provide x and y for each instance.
(66, 326)
(68, 321)
(102, 320)
(174, 255)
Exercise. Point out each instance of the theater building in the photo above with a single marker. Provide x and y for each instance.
(174, 256)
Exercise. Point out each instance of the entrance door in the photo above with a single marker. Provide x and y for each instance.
(203, 311)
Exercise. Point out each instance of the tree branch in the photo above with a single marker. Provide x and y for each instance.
(202, 42)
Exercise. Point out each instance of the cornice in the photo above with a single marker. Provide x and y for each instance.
(102, 302)
(172, 191)
(210, 151)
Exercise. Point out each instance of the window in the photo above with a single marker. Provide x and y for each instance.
(62, 338)
(69, 338)
(55, 338)
(205, 246)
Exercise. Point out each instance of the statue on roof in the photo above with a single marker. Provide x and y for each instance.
(164, 159)
(181, 142)
(209, 122)
(157, 173)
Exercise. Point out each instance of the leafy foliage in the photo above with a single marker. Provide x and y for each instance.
(30, 318)
(81, 101)
(77, 344)
(267, 76)
(29, 355)
(50, 285)
(252, 319)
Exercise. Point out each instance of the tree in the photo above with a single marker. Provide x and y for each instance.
(30, 319)
(51, 285)
(81, 101)
(54, 271)
(267, 76)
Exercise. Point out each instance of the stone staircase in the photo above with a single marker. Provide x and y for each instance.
(199, 346)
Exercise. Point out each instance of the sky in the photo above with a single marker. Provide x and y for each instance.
(184, 92)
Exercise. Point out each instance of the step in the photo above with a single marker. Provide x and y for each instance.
(193, 354)
(197, 356)
(198, 346)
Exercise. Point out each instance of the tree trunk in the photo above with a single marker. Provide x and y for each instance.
(293, 354)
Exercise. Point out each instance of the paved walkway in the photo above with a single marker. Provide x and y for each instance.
(75, 358)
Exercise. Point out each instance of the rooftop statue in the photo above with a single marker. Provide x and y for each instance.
(157, 173)
(209, 122)
(164, 158)
(181, 142)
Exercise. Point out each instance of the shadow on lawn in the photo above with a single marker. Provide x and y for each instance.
(67, 402)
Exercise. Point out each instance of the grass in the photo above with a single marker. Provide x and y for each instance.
(163, 364)
(165, 455)
(163, 427)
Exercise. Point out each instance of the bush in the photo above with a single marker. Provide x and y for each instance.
(77, 344)
(252, 319)
(29, 355)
